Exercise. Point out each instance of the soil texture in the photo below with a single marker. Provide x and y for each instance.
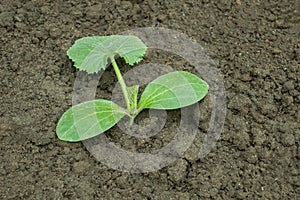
(256, 46)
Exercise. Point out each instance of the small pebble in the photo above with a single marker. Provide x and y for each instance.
(259, 136)
(289, 85)
(288, 139)
(178, 170)
(67, 150)
(94, 11)
(276, 51)
(251, 155)
(213, 192)
(80, 166)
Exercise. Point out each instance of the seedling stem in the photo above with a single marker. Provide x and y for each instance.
(121, 81)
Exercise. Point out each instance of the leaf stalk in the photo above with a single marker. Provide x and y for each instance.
(121, 81)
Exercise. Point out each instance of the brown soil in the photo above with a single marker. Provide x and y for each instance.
(256, 46)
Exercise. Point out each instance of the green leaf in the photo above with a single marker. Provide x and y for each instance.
(132, 95)
(173, 90)
(92, 53)
(88, 119)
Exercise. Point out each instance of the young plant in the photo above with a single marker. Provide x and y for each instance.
(92, 54)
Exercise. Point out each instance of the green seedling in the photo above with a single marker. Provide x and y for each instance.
(170, 91)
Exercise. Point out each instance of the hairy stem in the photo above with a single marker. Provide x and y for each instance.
(131, 120)
(121, 81)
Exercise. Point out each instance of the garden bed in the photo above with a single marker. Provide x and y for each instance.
(255, 45)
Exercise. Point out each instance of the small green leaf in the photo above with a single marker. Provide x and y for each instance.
(132, 95)
(88, 119)
(92, 53)
(173, 90)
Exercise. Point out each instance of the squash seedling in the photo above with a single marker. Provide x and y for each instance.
(88, 119)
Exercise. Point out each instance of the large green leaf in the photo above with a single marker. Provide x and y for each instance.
(173, 90)
(88, 119)
(92, 53)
